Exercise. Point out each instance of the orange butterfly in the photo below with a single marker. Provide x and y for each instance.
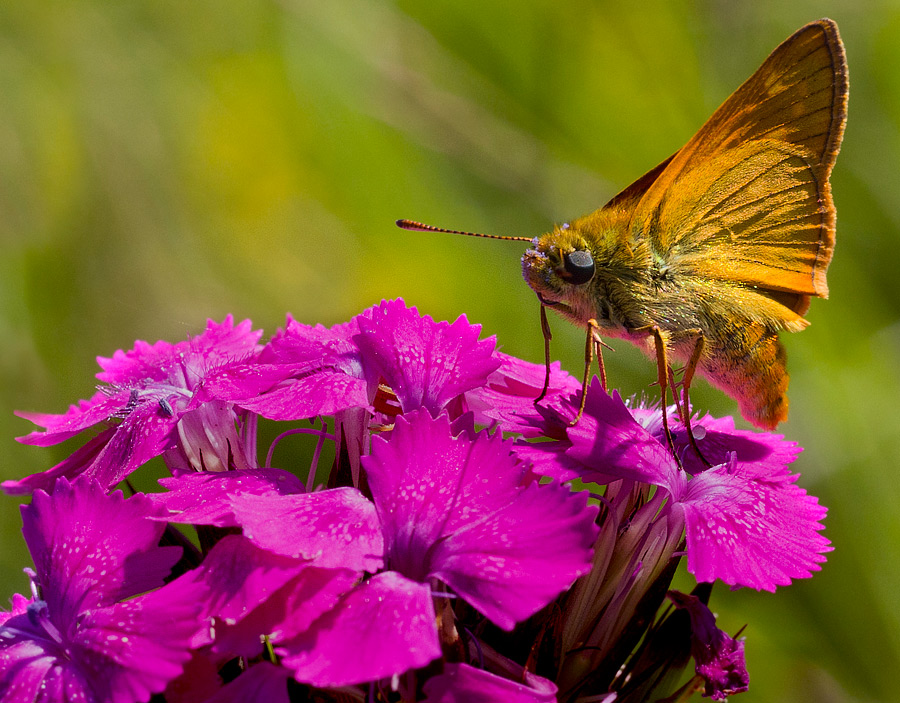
(708, 256)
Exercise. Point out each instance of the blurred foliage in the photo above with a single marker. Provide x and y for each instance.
(164, 162)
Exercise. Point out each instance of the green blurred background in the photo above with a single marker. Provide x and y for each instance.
(165, 162)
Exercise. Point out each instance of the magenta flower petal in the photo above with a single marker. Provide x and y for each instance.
(550, 459)
(455, 507)
(293, 352)
(749, 530)
(306, 347)
(121, 653)
(77, 418)
(513, 562)
(72, 465)
(240, 576)
(508, 398)
(90, 549)
(323, 393)
(136, 647)
(719, 658)
(110, 456)
(461, 683)
(81, 640)
(335, 528)
(303, 372)
(747, 523)
(717, 439)
(290, 610)
(254, 592)
(151, 391)
(205, 498)
(245, 380)
(611, 445)
(219, 345)
(18, 606)
(383, 627)
(426, 363)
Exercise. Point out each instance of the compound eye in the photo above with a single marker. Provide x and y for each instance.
(579, 267)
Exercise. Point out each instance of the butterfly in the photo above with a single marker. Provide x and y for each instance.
(707, 257)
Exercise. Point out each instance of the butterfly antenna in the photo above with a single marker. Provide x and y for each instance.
(421, 227)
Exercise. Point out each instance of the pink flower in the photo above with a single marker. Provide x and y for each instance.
(153, 400)
(88, 634)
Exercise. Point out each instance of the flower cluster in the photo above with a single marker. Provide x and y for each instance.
(445, 555)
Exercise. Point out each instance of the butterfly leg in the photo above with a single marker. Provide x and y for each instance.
(592, 345)
(598, 344)
(663, 376)
(685, 407)
(545, 330)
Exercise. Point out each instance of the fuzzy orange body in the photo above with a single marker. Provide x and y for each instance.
(727, 240)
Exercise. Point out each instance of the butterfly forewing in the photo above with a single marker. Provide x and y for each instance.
(756, 220)
(761, 165)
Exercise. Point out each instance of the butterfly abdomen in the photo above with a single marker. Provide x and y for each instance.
(749, 365)
(741, 351)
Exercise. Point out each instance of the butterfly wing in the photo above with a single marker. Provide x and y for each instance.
(747, 199)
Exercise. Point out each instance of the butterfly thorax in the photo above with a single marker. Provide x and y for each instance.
(596, 268)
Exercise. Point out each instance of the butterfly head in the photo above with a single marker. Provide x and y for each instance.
(560, 267)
